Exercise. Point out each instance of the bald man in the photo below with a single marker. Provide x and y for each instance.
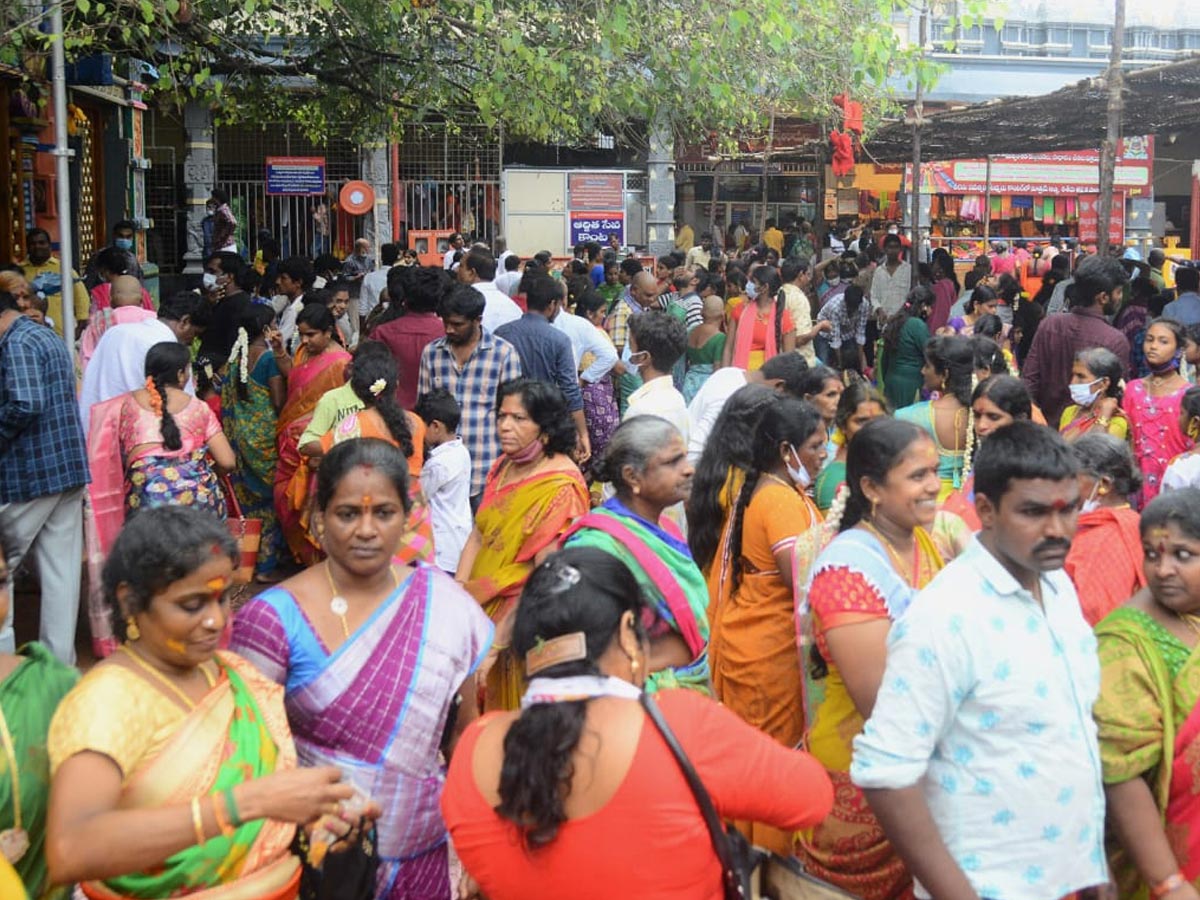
(127, 306)
(639, 296)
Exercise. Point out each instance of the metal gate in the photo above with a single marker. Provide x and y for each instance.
(450, 180)
(163, 206)
(300, 225)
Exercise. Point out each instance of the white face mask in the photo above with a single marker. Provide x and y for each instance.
(1081, 394)
(208, 280)
(799, 475)
(751, 290)
(640, 358)
(1092, 503)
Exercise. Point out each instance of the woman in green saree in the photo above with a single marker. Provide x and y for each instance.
(32, 682)
(173, 770)
(253, 394)
(902, 349)
(1148, 713)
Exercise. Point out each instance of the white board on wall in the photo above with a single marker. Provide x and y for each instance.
(528, 233)
(537, 192)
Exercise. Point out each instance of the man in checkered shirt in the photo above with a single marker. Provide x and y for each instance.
(43, 471)
(471, 363)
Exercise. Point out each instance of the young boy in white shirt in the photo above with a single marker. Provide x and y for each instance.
(446, 477)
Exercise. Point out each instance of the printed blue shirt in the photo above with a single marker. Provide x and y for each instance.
(986, 703)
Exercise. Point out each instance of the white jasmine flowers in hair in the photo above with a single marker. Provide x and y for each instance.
(378, 386)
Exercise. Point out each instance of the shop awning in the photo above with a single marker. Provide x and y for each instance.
(1159, 101)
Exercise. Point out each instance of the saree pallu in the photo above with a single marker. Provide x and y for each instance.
(517, 522)
(1105, 560)
(1148, 716)
(249, 426)
(28, 698)
(376, 708)
(307, 383)
(852, 581)
(663, 566)
(230, 737)
(188, 480)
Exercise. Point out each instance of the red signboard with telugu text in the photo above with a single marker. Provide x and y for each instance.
(1089, 219)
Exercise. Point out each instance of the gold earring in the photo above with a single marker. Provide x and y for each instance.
(634, 665)
(132, 632)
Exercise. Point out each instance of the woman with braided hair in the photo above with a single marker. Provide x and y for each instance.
(158, 446)
(752, 647)
(166, 438)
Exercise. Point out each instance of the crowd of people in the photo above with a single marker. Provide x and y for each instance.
(907, 572)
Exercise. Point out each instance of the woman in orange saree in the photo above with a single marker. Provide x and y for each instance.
(319, 366)
(1148, 712)
(752, 645)
(533, 494)
(174, 772)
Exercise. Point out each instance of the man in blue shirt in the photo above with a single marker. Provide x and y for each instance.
(980, 757)
(546, 352)
(1185, 308)
(43, 471)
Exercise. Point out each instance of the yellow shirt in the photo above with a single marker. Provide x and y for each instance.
(10, 884)
(46, 280)
(685, 238)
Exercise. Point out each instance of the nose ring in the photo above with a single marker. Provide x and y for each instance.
(209, 623)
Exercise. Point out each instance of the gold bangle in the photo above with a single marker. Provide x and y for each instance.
(222, 822)
(198, 821)
(1103, 423)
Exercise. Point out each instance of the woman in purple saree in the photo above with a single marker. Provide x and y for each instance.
(371, 669)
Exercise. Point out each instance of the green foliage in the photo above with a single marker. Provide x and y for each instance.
(544, 69)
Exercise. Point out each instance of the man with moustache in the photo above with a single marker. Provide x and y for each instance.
(980, 756)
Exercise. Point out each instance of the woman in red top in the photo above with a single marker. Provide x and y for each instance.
(1105, 562)
(762, 329)
(578, 795)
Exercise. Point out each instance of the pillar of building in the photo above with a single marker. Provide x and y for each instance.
(660, 188)
(374, 160)
(199, 178)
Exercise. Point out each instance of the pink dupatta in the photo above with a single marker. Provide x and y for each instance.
(744, 339)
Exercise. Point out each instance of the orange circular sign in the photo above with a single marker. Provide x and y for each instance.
(357, 197)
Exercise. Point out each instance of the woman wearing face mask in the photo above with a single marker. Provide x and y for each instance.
(1148, 711)
(1152, 405)
(1184, 470)
(862, 582)
(761, 328)
(858, 405)
(1096, 392)
(1105, 561)
(752, 647)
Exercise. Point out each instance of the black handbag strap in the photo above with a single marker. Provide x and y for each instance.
(716, 830)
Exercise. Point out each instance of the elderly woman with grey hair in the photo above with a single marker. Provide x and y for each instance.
(646, 463)
(1096, 392)
(1105, 561)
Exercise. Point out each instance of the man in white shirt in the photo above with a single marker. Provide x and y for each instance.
(374, 282)
(784, 372)
(118, 364)
(893, 280)
(585, 338)
(980, 757)
(502, 253)
(656, 341)
(478, 269)
(294, 278)
(509, 278)
(446, 477)
(456, 243)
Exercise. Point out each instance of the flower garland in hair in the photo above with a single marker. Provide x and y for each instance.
(378, 386)
(962, 474)
(837, 509)
(156, 400)
(241, 355)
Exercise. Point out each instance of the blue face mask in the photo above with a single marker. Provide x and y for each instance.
(123, 243)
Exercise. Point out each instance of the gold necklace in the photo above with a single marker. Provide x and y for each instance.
(14, 842)
(1189, 619)
(897, 561)
(337, 603)
(163, 679)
